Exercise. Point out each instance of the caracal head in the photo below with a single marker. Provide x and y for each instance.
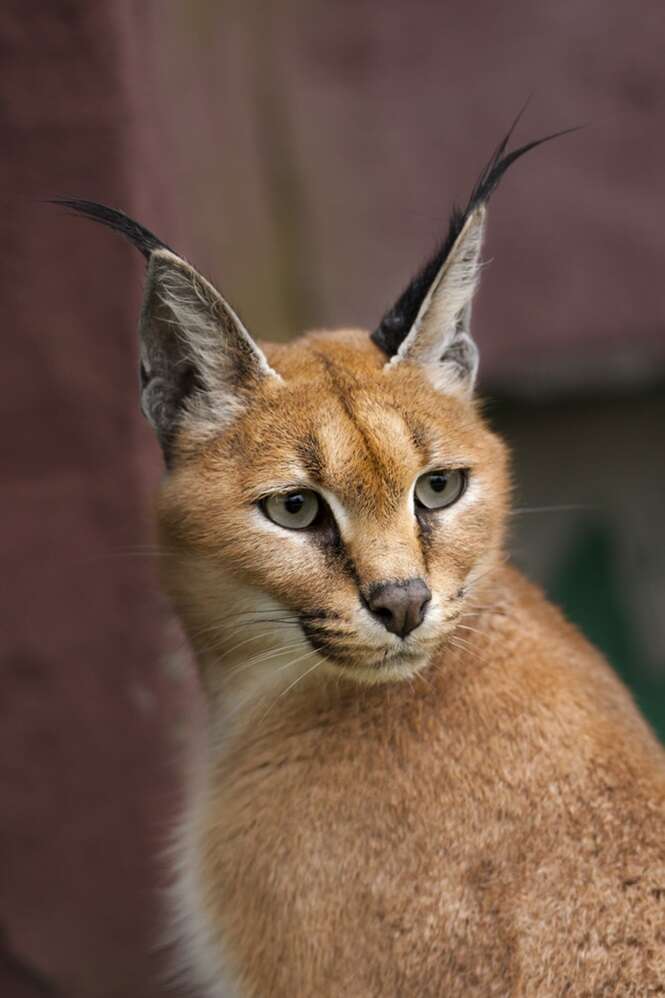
(331, 506)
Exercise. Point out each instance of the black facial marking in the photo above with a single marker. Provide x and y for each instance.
(425, 533)
(338, 556)
(317, 642)
(327, 643)
(309, 453)
(319, 614)
(319, 634)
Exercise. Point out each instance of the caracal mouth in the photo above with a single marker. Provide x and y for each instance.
(395, 665)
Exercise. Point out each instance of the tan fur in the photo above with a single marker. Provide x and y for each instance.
(483, 815)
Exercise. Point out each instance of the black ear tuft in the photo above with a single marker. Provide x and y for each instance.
(396, 323)
(144, 240)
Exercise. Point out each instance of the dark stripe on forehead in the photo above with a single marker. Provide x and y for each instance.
(341, 382)
(311, 457)
(421, 435)
(343, 385)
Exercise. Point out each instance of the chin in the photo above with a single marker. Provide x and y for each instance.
(395, 667)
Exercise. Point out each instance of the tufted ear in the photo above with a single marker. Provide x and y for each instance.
(430, 323)
(439, 339)
(198, 363)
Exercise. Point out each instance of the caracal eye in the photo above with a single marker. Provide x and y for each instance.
(437, 489)
(293, 510)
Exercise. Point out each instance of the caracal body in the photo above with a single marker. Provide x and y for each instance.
(418, 780)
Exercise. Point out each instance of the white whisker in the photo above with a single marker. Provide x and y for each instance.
(261, 659)
(319, 662)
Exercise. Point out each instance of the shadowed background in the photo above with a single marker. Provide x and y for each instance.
(305, 156)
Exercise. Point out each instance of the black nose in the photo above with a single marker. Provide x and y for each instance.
(401, 605)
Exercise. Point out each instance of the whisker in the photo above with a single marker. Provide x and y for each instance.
(125, 554)
(319, 661)
(218, 648)
(259, 610)
(476, 630)
(250, 697)
(221, 629)
(423, 678)
(492, 611)
(261, 659)
(565, 508)
(241, 644)
(306, 673)
(457, 643)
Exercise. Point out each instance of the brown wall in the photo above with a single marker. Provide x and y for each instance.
(88, 710)
(318, 147)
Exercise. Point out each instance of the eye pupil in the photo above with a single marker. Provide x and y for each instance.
(438, 482)
(294, 503)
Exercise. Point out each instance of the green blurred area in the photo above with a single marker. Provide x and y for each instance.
(588, 524)
(588, 586)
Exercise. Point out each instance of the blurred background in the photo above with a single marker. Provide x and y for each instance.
(305, 156)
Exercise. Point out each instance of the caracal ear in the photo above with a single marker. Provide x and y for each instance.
(429, 323)
(198, 364)
(439, 339)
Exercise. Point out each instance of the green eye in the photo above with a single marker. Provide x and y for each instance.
(293, 510)
(438, 489)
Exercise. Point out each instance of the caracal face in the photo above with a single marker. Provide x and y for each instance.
(358, 439)
(330, 504)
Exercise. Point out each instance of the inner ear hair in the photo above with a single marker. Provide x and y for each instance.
(200, 362)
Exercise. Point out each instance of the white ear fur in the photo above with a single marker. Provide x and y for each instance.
(197, 359)
(439, 339)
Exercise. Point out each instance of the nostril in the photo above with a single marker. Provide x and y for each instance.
(419, 599)
(422, 609)
(399, 605)
(383, 613)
